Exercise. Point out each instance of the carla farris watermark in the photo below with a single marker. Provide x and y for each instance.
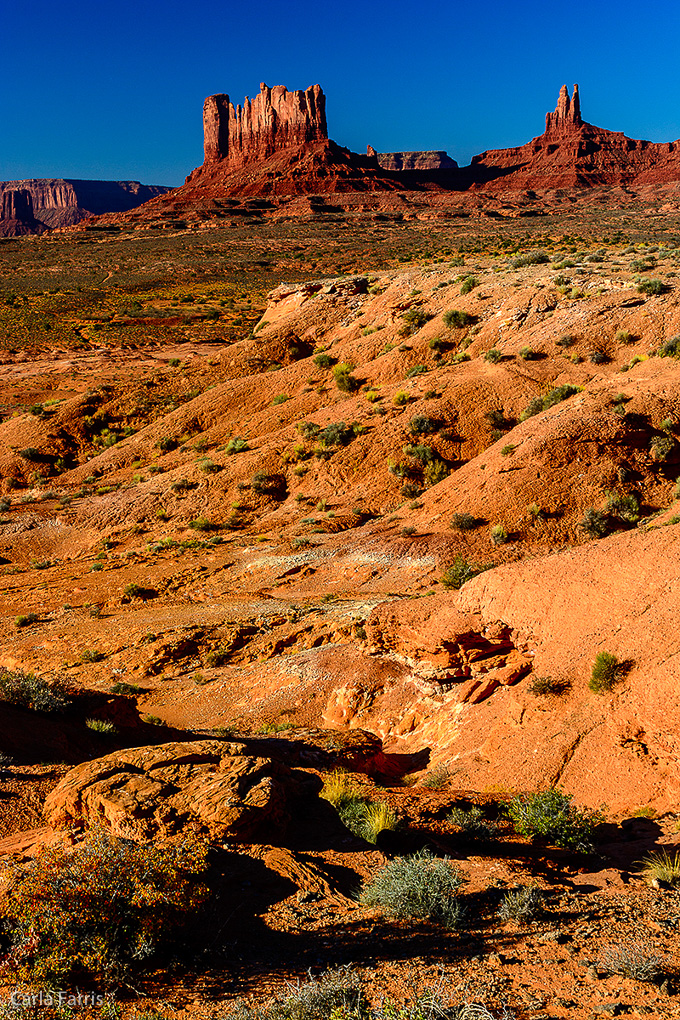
(57, 997)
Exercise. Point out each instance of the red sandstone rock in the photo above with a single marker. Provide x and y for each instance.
(429, 160)
(275, 119)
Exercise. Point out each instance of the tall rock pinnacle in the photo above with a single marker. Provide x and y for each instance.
(566, 119)
(275, 119)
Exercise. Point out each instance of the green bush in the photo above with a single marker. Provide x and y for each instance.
(494, 356)
(266, 484)
(626, 507)
(549, 399)
(203, 524)
(344, 379)
(29, 691)
(27, 619)
(414, 319)
(460, 571)
(456, 319)
(421, 424)
(472, 823)
(605, 673)
(419, 887)
(469, 283)
(651, 287)
(465, 522)
(335, 995)
(595, 523)
(236, 445)
(98, 910)
(101, 726)
(324, 360)
(499, 535)
(552, 817)
(528, 354)
(122, 687)
(532, 258)
(91, 655)
(280, 398)
(520, 904)
(416, 370)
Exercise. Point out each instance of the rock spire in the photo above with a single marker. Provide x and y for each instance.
(566, 118)
(275, 119)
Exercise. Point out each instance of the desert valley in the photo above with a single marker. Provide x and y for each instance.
(339, 546)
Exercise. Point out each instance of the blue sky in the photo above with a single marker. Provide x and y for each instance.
(115, 90)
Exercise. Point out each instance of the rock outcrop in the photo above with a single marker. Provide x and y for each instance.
(275, 119)
(429, 160)
(33, 206)
(16, 214)
(574, 154)
(566, 118)
(144, 792)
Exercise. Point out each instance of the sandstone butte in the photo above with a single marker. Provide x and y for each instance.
(276, 148)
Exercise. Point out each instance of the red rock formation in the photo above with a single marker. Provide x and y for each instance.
(33, 206)
(567, 116)
(429, 160)
(275, 119)
(574, 154)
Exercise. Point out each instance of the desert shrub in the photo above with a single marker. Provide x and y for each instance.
(420, 452)
(634, 961)
(324, 360)
(493, 355)
(91, 655)
(605, 673)
(102, 908)
(531, 258)
(436, 471)
(465, 522)
(547, 686)
(167, 443)
(469, 284)
(499, 535)
(595, 523)
(472, 823)
(549, 399)
(414, 319)
(280, 398)
(416, 370)
(266, 484)
(528, 354)
(626, 507)
(460, 357)
(236, 445)
(460, 571)
(419, 887)
(565, 341)
(421, 424)
(670, 349)
(30, 691)
(651, 287)
(334, 995)
(436, 778)
(401, 398)
(623, 336)
(344, 379)
(217, 657)
(508, 450)
(598, 356)
(122, 687)
(27, 619)
(661, 447)
(661, 866)
(520, 904)
(101, 726)
(552, 817)
(183, 485)
(339, 433)
(308, 429)
(203, 524)
(455, 319)
(30, 453)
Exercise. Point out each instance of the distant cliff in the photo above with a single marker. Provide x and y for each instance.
(428, 160)
(33, 206)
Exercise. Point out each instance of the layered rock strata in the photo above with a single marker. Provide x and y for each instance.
(275, 119)
(426, 160)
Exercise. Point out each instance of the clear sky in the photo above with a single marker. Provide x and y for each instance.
(103, 90)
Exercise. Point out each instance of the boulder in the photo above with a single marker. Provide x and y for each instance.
(145, 792)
